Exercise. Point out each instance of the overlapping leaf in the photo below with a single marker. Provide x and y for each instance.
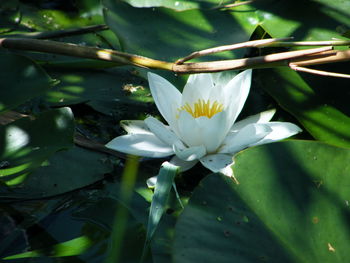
(323, 118)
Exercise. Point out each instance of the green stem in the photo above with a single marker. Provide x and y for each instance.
(121, 215)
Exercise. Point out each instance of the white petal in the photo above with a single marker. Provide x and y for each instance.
(135, 127)
(262, 117)
(166, 97)
(188, 129)
(198, 86)
(280, 131)
(163, 133)
(147, 145)
(184, 165)
(235, 94)
(218, 163)
(191, 153)
(249, 135)
(151, 182)
(211, 131)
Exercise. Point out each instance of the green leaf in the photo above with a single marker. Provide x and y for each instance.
(26, 143)
(51, 20)
(165, 180)
(105, 91)
(292, 205)
(72, 247)
(168, 35)
(21, 79)
(325, 121)
(60, 174)
(289, 18)
(179, 5)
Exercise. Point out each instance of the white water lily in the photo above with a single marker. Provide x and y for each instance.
(201, 124)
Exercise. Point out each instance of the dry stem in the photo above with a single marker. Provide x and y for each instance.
(254, 43)
(299, 58)
(318, 72)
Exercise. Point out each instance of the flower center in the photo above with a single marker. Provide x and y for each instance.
(203, 108)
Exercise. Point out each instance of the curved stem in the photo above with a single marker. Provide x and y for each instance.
(304, 57)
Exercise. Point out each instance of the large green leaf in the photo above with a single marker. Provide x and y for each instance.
(105, 91)
(292, 205)
(302, 19)
(26, 143)
(43, 19)
(65, 171)
(21, 79)
(41, 16)
(167, 34)
(323, 118)
(179, 5)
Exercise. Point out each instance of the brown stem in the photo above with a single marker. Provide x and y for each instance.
(48, 46)
(244, 63)
(318, 72)
(300, 57)
(339, 56)
(254, 43)
(235, 4)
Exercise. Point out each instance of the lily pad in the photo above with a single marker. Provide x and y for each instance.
(26, 143)
(166, 34)
(179, 5)
(21, 79)
(105, 91)
(303, 19)
(323, 118)
(65, 171)
(292, 205)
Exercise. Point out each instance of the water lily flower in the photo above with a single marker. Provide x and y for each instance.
(201, 123)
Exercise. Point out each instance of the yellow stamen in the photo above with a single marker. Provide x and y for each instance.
(203, 108)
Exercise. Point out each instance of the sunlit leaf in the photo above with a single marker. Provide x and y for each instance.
(303, 19)
(291, 206)
(105, 91)
(178, 5)
(322, 118)
(61, 174)
(166, 34)
(26, 143)
(164, 183)
(72, 247)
